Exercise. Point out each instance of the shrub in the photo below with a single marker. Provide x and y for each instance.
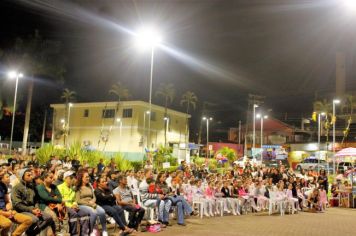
(137, 165)
(121, 163)
(44, 153)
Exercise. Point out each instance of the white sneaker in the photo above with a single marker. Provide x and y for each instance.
(104, 233)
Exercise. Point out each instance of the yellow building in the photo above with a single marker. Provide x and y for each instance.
(117, 127)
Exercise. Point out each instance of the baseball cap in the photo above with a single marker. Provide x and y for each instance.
(67, 174)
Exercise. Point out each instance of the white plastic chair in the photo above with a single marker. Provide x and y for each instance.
(199, 205)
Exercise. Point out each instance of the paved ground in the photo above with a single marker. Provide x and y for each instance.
(335, 222)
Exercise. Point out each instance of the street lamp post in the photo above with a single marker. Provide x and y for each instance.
(254, 128)
(319, 131)
(207, 134)
(144, 130)
(68, 121)
(262, 118)
(149, 38)
(166, 123)
(335, 101)
(13, 75)
(120, 132)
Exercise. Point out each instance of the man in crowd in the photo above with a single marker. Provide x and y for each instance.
(7, 215)
(23, 200)
(127, 202)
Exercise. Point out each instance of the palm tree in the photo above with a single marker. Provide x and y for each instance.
(68, 96)
(36, 57)
(347, 108)
(189, 99)
(167, 92)
(120, 91)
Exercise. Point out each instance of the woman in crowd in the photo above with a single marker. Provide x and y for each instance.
(86, 200)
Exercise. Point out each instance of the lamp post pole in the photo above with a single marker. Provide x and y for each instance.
(150, 101)
(207, 135)
(14, 75)
(335, 101)
(14, 111)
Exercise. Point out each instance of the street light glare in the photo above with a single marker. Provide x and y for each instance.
(204, 118)
(336, 101)
(148, 38)
(351, 4)
(323, 113)
(258, 116)
(12, 74)
(265, 117)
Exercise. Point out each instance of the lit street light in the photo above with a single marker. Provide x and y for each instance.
(335, 101)
(149, 38)
(14, 75)
(207, 134)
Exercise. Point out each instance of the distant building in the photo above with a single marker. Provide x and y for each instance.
(117, 126)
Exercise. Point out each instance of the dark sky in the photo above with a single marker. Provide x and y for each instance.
(283, 49)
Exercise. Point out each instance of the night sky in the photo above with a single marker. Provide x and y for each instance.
(284, 50)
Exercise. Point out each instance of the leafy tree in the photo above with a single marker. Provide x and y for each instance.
(35, 57)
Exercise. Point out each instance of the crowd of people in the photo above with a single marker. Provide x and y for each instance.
(68, 197)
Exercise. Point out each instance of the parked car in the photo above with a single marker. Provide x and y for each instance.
(311, 163)
(344, 166)
(276, 163)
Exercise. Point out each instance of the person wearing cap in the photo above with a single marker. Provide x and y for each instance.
(23, 200)
(7, 215)
(67, 191)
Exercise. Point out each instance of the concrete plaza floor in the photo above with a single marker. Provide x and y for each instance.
(334, 222)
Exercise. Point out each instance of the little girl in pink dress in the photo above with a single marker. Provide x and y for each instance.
(323, 197)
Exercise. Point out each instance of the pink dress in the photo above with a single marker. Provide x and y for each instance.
(323, 197)
(209, 193)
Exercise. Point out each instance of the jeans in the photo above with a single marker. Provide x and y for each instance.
(136, 215)
(163, 209)
(43, 222)
(182, 207)
(93, 214)
(117, 213)
(84, 222)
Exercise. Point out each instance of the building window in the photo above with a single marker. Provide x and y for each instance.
(127, 113)
(109, 113)
(86, 113)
